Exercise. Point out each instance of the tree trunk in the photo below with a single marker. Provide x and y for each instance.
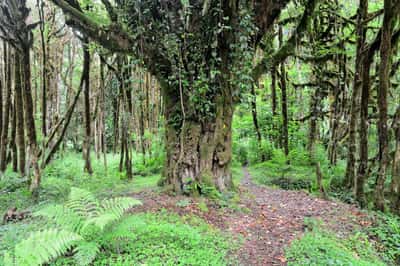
(198, 153)
(86, 143)
(115, 104)
(362, 173)
(384, 70)
(13, 157)
(255, 120)
(19, 112)
(273, 90)
(285, 133)
(355, 98)
(6, 113)
(30, 124)
(318, 173)
(313, 124)
(40, 6)
(396, 164)
(103, 144)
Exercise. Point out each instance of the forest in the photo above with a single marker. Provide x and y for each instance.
(199, 132)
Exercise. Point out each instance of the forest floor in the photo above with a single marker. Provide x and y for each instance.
(268, 219)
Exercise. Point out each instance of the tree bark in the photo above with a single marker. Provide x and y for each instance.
(355, 98)
(395, 185)
(312, 127)
(319, 180)
(40, 5)
(384, 83)
(255, 120)
(13, 154)
(30, 124)
(362, 173)
(285, 133)
(103, 144)
(198, 154)
(86, 143)
(273, 90)
(6, 112)
(364, 78)
(19, 112)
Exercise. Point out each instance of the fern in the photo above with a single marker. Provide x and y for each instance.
(82, 218)
(111, 210)
(86, 252)
(62, 216)
(42, 247)
(83, 203)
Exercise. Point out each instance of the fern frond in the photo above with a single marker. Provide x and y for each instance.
(81, 217)
(43, 246)
(111, 210)
(119, 205)
(86, 252)
(83, 203)
(62, 216)
(100, 221)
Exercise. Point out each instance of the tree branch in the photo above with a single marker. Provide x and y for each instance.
(288, 48)
(112, 37)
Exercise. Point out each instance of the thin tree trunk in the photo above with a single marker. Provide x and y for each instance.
(30, 125)
(13, 147)
(362, 173)
(319, 180)
(364, 69)
(384, 79)
(355, 99)
(285, 134)
(312, 131)
(86, 143)
(19, 111)
(40, 6)
(255, 120)
(115, 121)
(273, 90)
(6, 113)
(395, 185)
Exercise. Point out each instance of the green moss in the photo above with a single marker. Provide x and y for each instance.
(207, 178)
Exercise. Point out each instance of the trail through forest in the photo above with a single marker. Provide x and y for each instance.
(267, 218)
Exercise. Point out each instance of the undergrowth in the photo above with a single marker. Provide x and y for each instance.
(75, 225)
(298, 174)
(386, 231)
(66, 172)
(161, 239)
(319, 247)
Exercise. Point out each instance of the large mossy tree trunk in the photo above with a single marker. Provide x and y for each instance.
(383, 88)
(199, 153)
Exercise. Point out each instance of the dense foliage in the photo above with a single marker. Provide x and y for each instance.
(208, 102)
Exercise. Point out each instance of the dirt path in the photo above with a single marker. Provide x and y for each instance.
(277, 217)
(273, 218)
